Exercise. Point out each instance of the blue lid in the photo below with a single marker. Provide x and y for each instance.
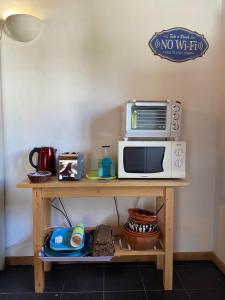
(64, 244)
(69, 253)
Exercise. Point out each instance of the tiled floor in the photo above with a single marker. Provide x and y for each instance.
(119, 281)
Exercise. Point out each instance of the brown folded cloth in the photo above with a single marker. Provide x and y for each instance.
(103, 242)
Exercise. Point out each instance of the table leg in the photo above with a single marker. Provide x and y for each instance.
(159, 262)
(39, 278)
(47, 221)
(168, 240)
(161, 224)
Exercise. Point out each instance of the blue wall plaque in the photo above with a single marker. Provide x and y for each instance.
(178, 44)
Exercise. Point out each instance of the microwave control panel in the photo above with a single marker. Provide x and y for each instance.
(178, 159)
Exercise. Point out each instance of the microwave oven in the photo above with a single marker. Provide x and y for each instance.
(152, 119)
(151, 159)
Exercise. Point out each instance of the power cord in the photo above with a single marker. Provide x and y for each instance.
(63, 206)
(63, 210)
(117, 210)
(137, 201)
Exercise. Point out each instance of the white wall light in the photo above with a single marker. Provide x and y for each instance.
(22, 27)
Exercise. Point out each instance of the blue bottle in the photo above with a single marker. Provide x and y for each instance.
(105, 164)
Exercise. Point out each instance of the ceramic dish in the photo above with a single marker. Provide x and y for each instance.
(141, 227)
(137, 233)
(141, 241)
(141, 216)
(40, 176)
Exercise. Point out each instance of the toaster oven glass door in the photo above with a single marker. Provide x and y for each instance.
(148, 117)
(143, 159)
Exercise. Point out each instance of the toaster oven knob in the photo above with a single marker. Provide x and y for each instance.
(175, 126)
(176, 116)
(176, 108)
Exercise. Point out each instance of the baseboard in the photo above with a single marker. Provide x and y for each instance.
(192, 256)
(28, 260)
(218, 262)
(19, 260)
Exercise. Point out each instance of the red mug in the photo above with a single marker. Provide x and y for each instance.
(46, 159)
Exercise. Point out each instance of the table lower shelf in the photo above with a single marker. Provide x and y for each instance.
(121, 249)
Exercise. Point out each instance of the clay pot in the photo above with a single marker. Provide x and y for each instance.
(141, 241)
(141, 216)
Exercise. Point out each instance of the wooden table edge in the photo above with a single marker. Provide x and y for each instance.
(54, 183)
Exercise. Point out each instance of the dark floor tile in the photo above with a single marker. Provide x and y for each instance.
(17, 280)
(167, 295)
(219, 275)
(82, 296)
(199, 277)
(147, 264)
(8, 297)
(207, 295)
(121, 279)
(120, 264)
(19, 268)
(193, 263)
(30, 296)
(61, 267)
(125, 295)
(44, 296)
(84, 278)
(55, 279)
(153, 279)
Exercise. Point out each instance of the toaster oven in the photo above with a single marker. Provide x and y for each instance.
(153, 119)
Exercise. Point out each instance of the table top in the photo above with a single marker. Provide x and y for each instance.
(55, 183)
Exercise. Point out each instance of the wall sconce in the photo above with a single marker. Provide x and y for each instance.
(22, 27)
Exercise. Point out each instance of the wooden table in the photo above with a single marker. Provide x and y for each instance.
(42, 193)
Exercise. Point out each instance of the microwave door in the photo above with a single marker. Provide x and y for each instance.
(155, 158)
(134, 159)
(143, 159)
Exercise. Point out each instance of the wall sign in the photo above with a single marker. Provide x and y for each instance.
(178, 44)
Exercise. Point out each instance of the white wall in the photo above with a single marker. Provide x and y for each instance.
(66, 88)
(2, 208)
(219, 239)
